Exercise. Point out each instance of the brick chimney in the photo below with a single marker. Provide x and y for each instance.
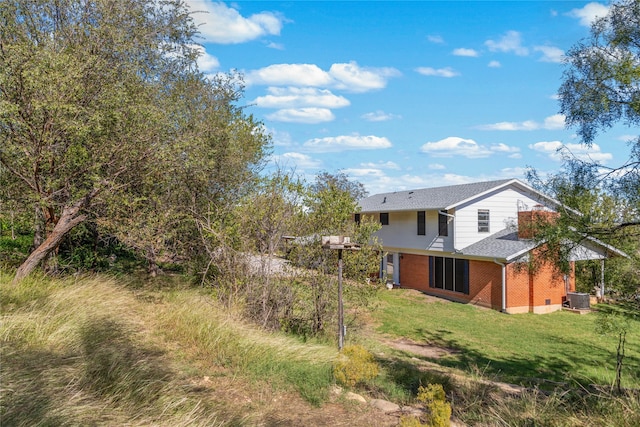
(530, 221)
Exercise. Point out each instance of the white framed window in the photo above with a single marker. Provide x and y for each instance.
(483, 220)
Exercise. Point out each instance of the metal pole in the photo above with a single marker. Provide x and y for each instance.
(340, 308)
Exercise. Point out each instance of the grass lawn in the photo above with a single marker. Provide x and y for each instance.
(522, 348)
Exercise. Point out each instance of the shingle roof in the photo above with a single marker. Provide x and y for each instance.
(428, 198)
(503, 245)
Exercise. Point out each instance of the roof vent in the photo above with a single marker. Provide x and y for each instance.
(385, 200)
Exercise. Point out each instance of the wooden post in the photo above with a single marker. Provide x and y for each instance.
(340, 243)
(340, 306)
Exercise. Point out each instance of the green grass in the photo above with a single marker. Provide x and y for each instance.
(523, 348)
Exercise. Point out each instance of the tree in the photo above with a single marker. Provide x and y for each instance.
(104, 115)
(332, 200)
(601, 87)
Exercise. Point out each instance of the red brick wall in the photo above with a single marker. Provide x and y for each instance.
(485, 283)
(414, 271)
(518, 285)
(525, 289)
(530, 221)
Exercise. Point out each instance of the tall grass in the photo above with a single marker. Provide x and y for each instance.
(218, 337)
(90, 351)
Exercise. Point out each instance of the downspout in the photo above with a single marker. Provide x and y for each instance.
(504, 285)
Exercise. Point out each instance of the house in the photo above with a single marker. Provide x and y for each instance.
(470, 243)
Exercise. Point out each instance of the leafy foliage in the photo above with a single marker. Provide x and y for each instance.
(129, 133)
(355, 366)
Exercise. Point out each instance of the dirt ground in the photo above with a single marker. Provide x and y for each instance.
(261, 406)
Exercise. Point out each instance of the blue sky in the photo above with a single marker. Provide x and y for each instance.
(403, 95)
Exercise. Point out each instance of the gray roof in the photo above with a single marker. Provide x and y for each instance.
(503, 245)
(429, 198)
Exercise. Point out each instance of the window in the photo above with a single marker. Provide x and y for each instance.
(384, 218)
(422, 225)
(450, 274)
(356, 218)
(443, 222)
(483, 220)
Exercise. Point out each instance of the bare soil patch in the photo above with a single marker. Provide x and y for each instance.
(425, 350)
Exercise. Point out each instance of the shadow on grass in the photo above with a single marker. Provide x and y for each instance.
(27, 398)
(111, 375)
(115, 365)
(540, 370)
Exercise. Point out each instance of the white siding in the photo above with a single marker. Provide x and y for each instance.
(503, 212)
(402, 232)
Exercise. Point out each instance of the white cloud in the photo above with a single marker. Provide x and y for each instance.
(381, 165)
(494, 64)
(513, 152)
(550, 54)
(526, 125)
(509, 43)
(218, 23)
(627, 138)
(280, 138)
(379, 116)
(364, 172)
(302, 115)
(352, 77)
(289, 74)
(459, 147)
(277, 46)
(347, 142)
(206, 63)
(466, 52)
(554, 122)
(346, 76)
(558, 151)
(455, 146)
(296, 161)
(293, 97)
(435, 39)
(440, 72)
(589, 13)
(436, 166)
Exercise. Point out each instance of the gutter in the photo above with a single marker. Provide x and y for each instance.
(504, 285)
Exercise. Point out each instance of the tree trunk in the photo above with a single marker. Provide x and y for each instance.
(70, 218)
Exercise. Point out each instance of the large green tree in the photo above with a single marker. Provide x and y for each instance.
(104, 116)
(601, 88)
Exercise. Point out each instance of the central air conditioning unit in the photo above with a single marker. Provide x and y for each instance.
(578, 300)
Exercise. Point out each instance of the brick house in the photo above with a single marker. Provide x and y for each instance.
(470, 243)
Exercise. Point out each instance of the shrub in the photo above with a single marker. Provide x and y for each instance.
(435, 402)
(409, 421)
(355, 366)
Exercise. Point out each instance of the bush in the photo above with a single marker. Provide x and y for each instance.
(355, 366)
(435, 403)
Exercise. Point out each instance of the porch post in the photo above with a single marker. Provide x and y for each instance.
(602, 279)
